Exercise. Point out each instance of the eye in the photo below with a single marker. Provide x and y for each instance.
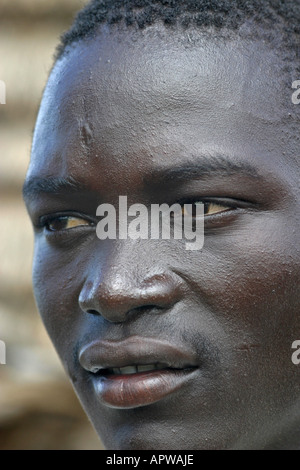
(57, 224)
(210, 208)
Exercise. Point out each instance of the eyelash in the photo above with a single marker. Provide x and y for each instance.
(229, 205)
(45, 221)
(215, 203)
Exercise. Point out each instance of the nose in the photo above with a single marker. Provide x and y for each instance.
(117, 292)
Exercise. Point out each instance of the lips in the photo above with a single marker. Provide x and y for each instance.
(136, 371)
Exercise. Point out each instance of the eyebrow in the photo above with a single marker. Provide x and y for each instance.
(50, 185)
(195, 169)
(204, 168)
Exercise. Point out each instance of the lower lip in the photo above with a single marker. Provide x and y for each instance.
(140, 389)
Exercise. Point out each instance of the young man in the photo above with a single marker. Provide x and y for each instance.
(174, 102)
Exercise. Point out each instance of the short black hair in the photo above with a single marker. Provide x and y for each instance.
(279, 15)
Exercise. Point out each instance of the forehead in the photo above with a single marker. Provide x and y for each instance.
(126, 94)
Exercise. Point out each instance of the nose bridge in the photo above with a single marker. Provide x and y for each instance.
(127, 280)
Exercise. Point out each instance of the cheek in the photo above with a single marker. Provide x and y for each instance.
(250, 281)
(56, 282)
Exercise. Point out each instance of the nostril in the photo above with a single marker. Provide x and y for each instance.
(92, 312)
(140, 310)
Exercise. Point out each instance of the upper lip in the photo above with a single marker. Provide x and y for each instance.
(134, 350)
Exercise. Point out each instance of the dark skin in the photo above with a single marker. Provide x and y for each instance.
(163, 119)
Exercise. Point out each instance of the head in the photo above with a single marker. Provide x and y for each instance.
(174, 102)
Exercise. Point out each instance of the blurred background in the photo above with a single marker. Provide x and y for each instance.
(38, 408)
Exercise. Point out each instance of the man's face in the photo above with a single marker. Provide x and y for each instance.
(206, 334)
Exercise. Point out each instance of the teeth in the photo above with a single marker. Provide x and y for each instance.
(128, 370)
(145, 368)
(134, 369)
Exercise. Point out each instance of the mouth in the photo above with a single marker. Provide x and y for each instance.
(136, 372)
(129, 370)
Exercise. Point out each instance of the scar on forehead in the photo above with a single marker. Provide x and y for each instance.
(85, 133)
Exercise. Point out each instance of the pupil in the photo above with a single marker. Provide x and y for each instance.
(58, 224)
(206, 207)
